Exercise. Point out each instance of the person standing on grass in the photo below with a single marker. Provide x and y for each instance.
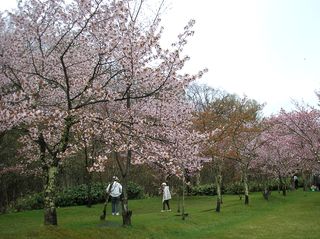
(114, 189)
(166, 196)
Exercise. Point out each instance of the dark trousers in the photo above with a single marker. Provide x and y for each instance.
(165, 202)
(115, 204)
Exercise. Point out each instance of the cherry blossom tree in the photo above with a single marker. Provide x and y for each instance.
(87, 64)
(292, 145)
(176, 148)
(277, 157)
(303, 126)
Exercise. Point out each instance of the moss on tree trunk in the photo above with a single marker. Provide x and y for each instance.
(50, 214)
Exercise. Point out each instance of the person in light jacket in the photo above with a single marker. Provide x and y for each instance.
(114, 189)
(166, 196)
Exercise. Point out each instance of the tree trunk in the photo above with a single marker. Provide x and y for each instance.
(126, 213)
(89, 194)
(88, 178)
(182, 206)
(198, 178)
(218, 207)
(50, 214)
(51, 171)
(125, 169)
(283, 186)
(246, 199)
(219, 197)
(305, 180)
(246, 188)
(179, 204)
(284, 191)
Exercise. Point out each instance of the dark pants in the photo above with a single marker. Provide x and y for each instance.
(165, 202)
(115, 204)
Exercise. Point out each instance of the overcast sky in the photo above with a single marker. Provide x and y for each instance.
(268, 50)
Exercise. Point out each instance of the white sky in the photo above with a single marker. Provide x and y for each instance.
(268, 50)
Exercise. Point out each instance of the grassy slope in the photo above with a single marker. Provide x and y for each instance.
(294, 216)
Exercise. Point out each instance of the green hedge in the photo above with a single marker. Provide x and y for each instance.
(206, 189)
(75, 196)
(79, 195)
(233, 188)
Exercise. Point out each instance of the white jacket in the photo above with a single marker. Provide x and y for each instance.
(116, 189)
(166, 193)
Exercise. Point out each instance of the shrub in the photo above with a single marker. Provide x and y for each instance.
(79, 195)
(206, 189)
(74, 196)
(135, 191)
(30, 202)
(234, 188)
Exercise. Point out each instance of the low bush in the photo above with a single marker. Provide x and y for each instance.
(234, 188)
(75, 196)
(206, 189)
(135, 191)
(79, 195)
(30, 202)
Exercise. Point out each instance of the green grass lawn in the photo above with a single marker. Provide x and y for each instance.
(295, 216)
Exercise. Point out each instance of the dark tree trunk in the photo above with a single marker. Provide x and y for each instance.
(125, 169)
(246, 200)
(218, 207)
(283, 186)
(89, 194)
(179, 204)
(284, 190)
(183, 189)
(88, 177)
(126, 213)
(50, 216)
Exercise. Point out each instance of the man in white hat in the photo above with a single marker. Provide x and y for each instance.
(114, 189)
(166, 197)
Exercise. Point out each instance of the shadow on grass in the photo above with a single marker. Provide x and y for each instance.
(208, 210)
(110, 224)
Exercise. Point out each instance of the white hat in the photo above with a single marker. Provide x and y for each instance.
(163, 184)
(115, 178)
